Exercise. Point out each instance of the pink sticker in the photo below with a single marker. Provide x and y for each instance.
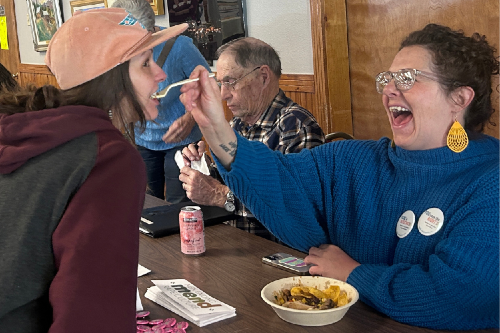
(142, 314)
(155, 321)
(182, 324)
(170, 321)
(178, 330)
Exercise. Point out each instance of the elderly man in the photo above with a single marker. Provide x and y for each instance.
(248, 72)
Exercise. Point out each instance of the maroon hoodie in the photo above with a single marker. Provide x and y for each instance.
(71, 194)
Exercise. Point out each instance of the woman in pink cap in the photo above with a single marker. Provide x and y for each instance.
(71, 185)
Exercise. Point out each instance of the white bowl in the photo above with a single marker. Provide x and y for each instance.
(309, 317)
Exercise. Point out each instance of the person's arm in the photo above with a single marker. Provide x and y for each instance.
(459, 287)
(203, 189)
(180, 129)
(284, 194)
(330, 261)
(96, 245)
(202, 99)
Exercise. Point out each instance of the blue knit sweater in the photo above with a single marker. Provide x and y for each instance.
(352, 194)
(182, 59)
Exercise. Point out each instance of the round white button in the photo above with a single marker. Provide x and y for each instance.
(405, 224)
(430, 221)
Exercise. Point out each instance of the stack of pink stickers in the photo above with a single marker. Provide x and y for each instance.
(169, 325)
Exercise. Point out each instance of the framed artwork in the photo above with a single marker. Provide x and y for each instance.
(157, 6)
(45, 19)
(87, 4)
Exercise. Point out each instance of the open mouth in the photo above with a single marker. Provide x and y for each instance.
(400, 115)
(154, 97)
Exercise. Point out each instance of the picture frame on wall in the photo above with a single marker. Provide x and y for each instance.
(83, 5)
(45, 18)
(157, 6)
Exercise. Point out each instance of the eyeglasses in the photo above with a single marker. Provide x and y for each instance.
(404, 79)
(230, 84)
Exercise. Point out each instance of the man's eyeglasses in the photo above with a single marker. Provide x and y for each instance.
(230, 84)
(404, 79)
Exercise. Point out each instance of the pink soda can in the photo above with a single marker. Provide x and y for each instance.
(192, 231)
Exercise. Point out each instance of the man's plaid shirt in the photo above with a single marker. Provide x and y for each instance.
(285, 126)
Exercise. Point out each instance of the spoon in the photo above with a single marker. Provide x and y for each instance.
(164, 92)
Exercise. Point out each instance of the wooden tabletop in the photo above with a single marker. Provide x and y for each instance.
(232, 271)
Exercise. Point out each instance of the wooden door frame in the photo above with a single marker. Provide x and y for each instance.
(331, 64)
(14, 58)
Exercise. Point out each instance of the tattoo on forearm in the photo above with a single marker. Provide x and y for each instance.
(231, 150)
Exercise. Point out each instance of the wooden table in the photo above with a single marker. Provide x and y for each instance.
(231, 271)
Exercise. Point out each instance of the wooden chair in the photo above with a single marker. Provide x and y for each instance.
(338, 135)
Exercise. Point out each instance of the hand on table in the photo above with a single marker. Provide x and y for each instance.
(203, 189)
(180, 129)
(330, 261)
(193, 152)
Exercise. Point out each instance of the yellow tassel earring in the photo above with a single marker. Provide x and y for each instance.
(457, 139)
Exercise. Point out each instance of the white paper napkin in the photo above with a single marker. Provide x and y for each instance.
(200, 165)
(138, 303)
(141, 270)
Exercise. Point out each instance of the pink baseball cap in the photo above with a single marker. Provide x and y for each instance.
(94, 41)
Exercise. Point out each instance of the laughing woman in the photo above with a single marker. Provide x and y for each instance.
(412, 222)
(71, 186)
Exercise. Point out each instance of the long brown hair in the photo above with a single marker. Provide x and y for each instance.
(111, 92)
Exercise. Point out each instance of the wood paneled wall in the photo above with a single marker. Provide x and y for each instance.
(38, 75)
(335, 62)
(10, 57)
(353, 40)
(375, 30)
(298, 87)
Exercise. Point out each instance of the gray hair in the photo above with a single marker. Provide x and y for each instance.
(140, 9)
(250, 52)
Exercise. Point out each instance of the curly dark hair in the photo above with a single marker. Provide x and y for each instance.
(461, 61)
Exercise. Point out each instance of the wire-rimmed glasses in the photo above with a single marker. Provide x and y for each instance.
(230, 84)
(404, 79)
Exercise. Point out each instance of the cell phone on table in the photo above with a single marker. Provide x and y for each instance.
(287, 262)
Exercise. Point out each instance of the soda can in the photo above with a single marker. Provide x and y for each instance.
(192, 231)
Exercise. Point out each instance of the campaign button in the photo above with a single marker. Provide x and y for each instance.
(430, 221)
(405, 224)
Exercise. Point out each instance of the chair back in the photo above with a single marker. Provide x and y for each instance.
(338, 135)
